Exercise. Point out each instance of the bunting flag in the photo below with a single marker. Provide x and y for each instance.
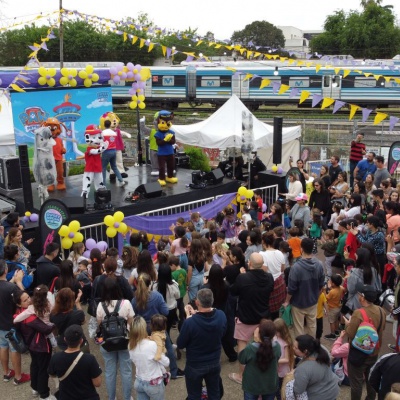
(305, 94)
(346, 72)
(353, 109)
(317, 68)
(294, 92)
(142, 42)
(264, 83)
(327, 102)
(164, 50)
(275, 87)
(338, 105)
(283, 89)
(316, 99)
(392, 122)
(135, 39)
(379, 117)
(337, 70)
(365, 114)
(151, 45)
(247, 77)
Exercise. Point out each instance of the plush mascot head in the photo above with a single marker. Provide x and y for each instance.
(93, 136)
(54, 125)
(164, 120)
(110, 116)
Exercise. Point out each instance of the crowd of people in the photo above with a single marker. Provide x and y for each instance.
(247, 284)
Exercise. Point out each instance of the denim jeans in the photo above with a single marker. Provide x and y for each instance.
(194, 379)
(110, 157)
(111, 359)
(173, 367)
(248, 396)
(195, 283)
(145, 391)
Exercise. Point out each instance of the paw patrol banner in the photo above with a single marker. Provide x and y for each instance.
(75, 108)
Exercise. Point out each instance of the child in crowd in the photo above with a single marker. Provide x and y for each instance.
(329, 248)
(229, 226)
(112, 252)
(40, 307)
(340, 350)
(221, 240)
(287, 253)
(180, 245)
(129, 258)
(278, 235)
(351, 244)
(333, 299)
(333, 223)
(246, 217)
(95, 267)
(158, 327)
(360, 224)
(179, 275)
(212, 233)
(258, 199)
(198, 223)
(321, 309)
(84, 280)
(190, 230)
(219, 254)
(253, 212)
(316, 230)
(251, 225)
(299, 223)
(286, 361)
(76, 255)
(161, 257)
(295, 243)
(144, 240)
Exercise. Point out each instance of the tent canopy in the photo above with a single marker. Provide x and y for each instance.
(223, 129)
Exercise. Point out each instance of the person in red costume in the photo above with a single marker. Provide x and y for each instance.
(58, 151)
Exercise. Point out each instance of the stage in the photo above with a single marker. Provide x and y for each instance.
(172, 194)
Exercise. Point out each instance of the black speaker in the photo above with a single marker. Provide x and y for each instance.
(149, 190)
(25, 176)
(268, 178)
(74, 204)
(214, 177)
(277, 145)
(10, 174)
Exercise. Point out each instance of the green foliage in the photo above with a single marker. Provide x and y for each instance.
(261, 33)
(371, 33)
(198, 159)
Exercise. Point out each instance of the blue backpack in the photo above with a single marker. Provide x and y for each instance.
(367, 339)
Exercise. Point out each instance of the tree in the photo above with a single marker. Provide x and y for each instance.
(259, 33)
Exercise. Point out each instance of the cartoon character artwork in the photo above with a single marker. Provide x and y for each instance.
(58, 151)
(93, 169)
(153, 147)
(44, 168)
(165, 139)
(114, 119)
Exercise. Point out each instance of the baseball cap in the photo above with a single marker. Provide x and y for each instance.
(367, 291)
(92, 129)
(301, 196)
(73, 334)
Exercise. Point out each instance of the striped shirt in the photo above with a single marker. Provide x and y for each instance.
(356, 151)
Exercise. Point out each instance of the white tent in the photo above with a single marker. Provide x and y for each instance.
(224, 130)
(7, 138)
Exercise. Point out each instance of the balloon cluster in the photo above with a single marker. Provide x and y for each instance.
(244, 194)
(31, 217)
(88, 75)
(68, 77)
(46, 76)
(140, 75)
(70, 235)
(276, 169)
(91, 244)
(115, 224)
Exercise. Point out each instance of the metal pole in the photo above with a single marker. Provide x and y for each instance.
(61, 36)
(139, 138)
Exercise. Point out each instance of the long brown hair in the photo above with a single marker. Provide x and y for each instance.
(142, 291)
(265, 353)
(196, 256)
(65, 301)
(129, 257)
(283, 331)
(10, 237)
(39, 300)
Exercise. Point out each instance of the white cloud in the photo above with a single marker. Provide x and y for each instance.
(99, 103)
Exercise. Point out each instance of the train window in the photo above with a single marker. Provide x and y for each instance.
(361, 82)
(210, 81)
(299, 82)
(327, 81)
(168, 80)
(392, 84)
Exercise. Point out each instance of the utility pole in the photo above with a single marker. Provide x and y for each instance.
(61, 36)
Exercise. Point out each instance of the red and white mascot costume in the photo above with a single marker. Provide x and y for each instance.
(93, 168)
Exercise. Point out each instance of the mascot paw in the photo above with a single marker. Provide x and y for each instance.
(168, 137)
(61, 186)
(172, 180)
(51, 188)
(161, 182)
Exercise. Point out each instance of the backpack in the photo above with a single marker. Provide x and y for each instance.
(367, 339)
(114, 330)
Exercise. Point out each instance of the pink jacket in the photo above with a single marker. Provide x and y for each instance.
(340, 350)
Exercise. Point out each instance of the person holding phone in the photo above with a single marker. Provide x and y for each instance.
(11, 256)
(393, 220)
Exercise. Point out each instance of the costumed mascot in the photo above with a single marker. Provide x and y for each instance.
(93, 168)
(114, 119)
(153, 147)
(44, 168)
(165, 139)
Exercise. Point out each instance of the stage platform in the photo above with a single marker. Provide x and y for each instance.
(172, 194)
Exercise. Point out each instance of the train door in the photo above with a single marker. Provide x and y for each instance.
(191, 83)
(331, 86)
(240, 87)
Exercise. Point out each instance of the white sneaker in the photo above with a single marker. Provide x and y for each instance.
(51, 397)
(154, 173)
(122, 184)
(174, 346)
(35, 393)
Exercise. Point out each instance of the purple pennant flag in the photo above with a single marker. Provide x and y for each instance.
(250, 43)
(189, 58)
(51, 35)
(169, 51)
(119, 32)
(44, 46)
(316, 99)
(365, 114)
(308, 56)
(34, 48)
(338, 105)
(392, 67)
(294, 92)
(393, 122)
(275, 87)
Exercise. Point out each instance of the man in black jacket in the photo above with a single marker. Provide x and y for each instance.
(253, 289)
(46, 270)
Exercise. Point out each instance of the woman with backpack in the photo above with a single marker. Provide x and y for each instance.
(113, 301)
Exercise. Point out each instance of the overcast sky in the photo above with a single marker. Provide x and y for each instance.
(218, 16)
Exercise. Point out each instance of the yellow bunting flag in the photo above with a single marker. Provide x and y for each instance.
(379, 117)
(217, 46)
(300, 63)
(257, 54)
(284, 88)
(164, 50)
(346, 72)
(242, 50)
(337, 70)
(199, 43)
(231, 69)
(275, 56)
(291, 61)
(16, 88)
(125, 36)
(142, 42)
(367, 74)
(305, 94)
(282, 59)
(229, 47)
(308, 65)
(135, 39)
(264, 82)
(388, 78)
(353, 109)
(268, 56)
(247, 77)
(397, 80)
(210, 44)
(377, 77)
(237, 47)
(317, 68)
(326, 102)
(151, 45)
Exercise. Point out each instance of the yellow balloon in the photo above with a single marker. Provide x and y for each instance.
(89, 69)
(73, 72)
(142, 105)
(66, 243)
(83, 74)
(122, 227)
(64, 71)
(64, 81)
(111, 232)
(145, 74)
(28, 214)
(119, 216)
(242, 190)
(52, 71)
(42, 80)
(249, 194)
(42, 71)
(134, 98)
(109, 220)
(95, 77)
(74, 226)
(51, 82)
(274, 168)
(133, 105)
(73, 82)
(141, 97)
(78, 237)
(63, 231)
(87, 82)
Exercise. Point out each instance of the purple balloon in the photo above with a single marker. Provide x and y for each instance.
(141, 84)
(129, 75)
(123, 75)
(116, 79)
(137, 77)
(102, 246)
(34, 217)
(134, 85)
(113, 71)
(86, 254)
(129, 65)
(280, 170)
(132, 91)
(90, 244)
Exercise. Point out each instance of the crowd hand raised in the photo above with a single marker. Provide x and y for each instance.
(78, 298)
